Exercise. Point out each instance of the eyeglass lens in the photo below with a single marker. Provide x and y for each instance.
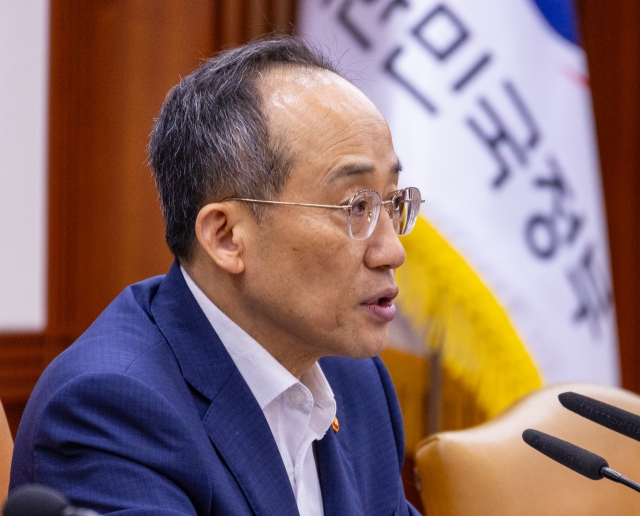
(363, 215)
(365, 209)
(407, 205)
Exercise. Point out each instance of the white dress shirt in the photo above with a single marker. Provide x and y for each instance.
(298, 411)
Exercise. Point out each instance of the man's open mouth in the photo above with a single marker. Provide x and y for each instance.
(381, 305)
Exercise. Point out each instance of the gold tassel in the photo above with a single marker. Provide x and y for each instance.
(485, 364)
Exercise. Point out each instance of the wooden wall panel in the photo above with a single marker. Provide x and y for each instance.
(21, 362)
(240, 21)
(137, 51)
(611, 38)
(22, 359)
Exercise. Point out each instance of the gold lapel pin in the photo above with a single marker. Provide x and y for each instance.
(335, 425)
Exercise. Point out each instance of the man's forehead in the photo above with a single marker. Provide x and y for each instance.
(335, 132)
(292, 86)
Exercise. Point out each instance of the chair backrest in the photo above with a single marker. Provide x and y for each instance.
(6, 450)
(489, 470)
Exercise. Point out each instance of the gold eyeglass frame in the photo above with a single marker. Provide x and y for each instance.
(347, 207)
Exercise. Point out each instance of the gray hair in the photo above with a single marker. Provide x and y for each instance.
(212, 141)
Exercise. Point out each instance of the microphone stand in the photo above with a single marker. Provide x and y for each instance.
(621, 479)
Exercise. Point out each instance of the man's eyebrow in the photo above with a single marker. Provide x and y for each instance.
(351, 169)
(354, 169)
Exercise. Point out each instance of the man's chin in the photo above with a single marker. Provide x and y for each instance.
(370, 346)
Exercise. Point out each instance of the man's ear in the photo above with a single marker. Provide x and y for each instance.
(220, 234)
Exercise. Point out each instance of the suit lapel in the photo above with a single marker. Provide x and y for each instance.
(234, 421)
(240, 432)
(340, 493)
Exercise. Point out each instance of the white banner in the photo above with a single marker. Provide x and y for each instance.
(490, 112)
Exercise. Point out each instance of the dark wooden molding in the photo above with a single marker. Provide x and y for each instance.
(22, 359)
(611, 39)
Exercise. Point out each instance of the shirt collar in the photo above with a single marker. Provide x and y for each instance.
(266, 377)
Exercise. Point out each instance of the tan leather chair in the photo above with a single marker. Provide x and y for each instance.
(489, 470)
(6, 450)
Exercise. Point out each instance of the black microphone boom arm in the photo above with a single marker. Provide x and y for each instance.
(621, 479)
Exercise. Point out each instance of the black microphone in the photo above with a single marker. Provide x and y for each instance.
(573, 457)
(613, 418)
(38, 500)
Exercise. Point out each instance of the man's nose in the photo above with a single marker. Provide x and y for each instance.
(384, 248)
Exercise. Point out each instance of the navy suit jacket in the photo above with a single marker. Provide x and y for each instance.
(147, 414)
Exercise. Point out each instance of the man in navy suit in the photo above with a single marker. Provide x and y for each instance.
(242, 381)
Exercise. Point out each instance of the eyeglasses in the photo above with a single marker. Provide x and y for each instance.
(363, 210)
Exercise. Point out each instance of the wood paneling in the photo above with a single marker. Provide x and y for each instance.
(22, 359)
(108, 82)
(240, 21)
(611, 38)
(21, 362)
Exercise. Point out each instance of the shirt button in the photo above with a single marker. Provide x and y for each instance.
(297, 398)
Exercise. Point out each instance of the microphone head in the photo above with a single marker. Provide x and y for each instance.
(573, 457)
(604, 414)
(34, 500)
